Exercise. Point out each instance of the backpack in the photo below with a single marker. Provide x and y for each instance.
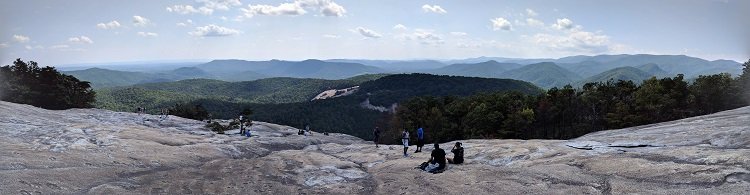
(424, 165)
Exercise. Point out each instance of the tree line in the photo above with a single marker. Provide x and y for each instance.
(567, 112)
(45, 87)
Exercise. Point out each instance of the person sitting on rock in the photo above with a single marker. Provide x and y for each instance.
(437, 156)
(458, 154)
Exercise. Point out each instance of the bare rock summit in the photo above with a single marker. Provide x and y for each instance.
(92, 151)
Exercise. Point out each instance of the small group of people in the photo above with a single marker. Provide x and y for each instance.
(305, 132)
(141, 111)
(405, 141)
(243, 131)
(164, 114)
(438, 159)
(437, 162)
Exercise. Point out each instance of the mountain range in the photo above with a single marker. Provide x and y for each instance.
(545, 73)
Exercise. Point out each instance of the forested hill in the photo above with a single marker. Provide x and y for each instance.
(396, 88)
(345, 115)
(272, 90)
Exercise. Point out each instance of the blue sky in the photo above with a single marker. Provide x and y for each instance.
(83, 31)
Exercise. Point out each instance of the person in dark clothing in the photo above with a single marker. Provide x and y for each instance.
(437, 156)
(458, 154)
(376, 136)
(420, 140)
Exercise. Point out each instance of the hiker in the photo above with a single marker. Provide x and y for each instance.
(405, 141)
(437, 156)
(308, 131)
(376, 136)
(420, 140)
(247, 133)
(242, 129)
(302, 131)
(458, 154)
(140, 111)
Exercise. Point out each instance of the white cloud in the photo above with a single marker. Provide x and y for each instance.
(333, 9)
(292, 9)
(501, 24)
(368, 33)
(59, 46)
(141, 21)
(433, 9)
(531, 13)
(326, 7)
(213, 31)
(400, 27)
(534, 22)
(469, 45)
(220, 4)
(81, 39)
(427, 37)
(423, 36)
(189, 9)
(4, 45)
(186, 23)
(575, 42)
(563, 24)
(109, 25)
(330, 36)
(29, 47)
(147, 34)
(21, 38)
(207, 8)
(459, 33)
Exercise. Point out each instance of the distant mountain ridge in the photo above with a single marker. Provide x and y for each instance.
(622, 73)
(545, 75)
(303, 69)
(397, 66)
(487, 67)
(101, 78)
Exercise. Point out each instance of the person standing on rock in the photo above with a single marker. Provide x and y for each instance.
(242, 129)
(376, 136)
(420, 140)
(405, 141)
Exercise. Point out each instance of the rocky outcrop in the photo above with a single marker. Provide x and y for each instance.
(334, 93)
(103, 152)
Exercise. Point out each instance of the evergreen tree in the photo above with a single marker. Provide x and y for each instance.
(744, 81)
(27, 83)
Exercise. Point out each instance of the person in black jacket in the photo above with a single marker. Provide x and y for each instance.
(458, 154)
(437, 156)
(376, 136)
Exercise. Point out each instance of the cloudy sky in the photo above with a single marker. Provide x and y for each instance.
(55, 32)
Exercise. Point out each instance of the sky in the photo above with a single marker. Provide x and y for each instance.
(55, 32)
